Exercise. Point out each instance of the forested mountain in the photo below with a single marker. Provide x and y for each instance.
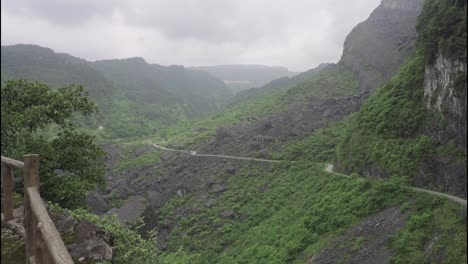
(43, 64)
(135, 98)
(239, 77)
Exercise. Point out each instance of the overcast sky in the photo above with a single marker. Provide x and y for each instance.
(298, 34)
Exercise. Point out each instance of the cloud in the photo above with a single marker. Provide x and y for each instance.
(297, 34)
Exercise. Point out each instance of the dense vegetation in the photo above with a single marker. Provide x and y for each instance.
(385, 131)
(37, 119)
(283, 214)
(442, 26)
(436, 229)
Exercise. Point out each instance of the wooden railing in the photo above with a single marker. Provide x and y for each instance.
(42, 240)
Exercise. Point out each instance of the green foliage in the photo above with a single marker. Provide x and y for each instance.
(179, 257)
(436, 230)
(71, 163)
(442, 27)
(130, 247)
(301, 208)
(392, 111)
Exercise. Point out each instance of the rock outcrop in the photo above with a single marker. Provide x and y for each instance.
(91, 243)
(445, 91)
(377, 47)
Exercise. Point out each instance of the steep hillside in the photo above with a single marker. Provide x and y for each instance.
(375, 49)
(415, 125)
(239, 77)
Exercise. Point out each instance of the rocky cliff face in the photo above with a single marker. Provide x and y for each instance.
(402, 4)
(445, 90)
(377, 47)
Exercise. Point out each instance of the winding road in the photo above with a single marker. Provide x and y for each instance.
(194, 153)
(328, 168)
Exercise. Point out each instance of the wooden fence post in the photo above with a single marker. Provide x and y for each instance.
(31, 179)
(7, 192)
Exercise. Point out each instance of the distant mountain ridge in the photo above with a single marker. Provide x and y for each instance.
(239, 77)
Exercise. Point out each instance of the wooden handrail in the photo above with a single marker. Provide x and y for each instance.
(7, 185)
(12, 163)
(49, 233)
(43, 243)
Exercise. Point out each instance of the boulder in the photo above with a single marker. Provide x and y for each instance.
(228, 214)
(132, 209)
(91, 243)
(263, 153)
(210, 202)
(96, 203)
(231, 170)
(218, 188)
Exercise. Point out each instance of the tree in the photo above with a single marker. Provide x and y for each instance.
(36, 118)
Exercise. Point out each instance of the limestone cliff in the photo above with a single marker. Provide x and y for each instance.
(377, 47)
(445, 91)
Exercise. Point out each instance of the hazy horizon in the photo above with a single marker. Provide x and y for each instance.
(297, 35)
